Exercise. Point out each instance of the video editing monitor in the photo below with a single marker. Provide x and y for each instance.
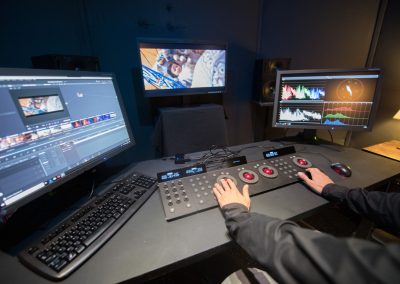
(176, 68)
(326, 99)
(54, 126)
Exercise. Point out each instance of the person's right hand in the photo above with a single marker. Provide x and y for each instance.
(226, 193)
(318, 181)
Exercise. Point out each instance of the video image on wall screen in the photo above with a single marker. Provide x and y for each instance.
(182, 68)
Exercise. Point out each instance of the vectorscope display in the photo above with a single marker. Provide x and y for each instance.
(326, 98)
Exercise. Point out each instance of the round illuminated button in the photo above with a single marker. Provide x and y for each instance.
(248, 176)
(301, 162)
(268, 171)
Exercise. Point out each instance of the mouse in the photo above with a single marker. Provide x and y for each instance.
(341, 169)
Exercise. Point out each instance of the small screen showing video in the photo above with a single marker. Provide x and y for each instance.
(182, 68)
(38, 105)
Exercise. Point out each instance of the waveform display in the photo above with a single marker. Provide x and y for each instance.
(299, 115)
(334, 122)
(336, 115)
(346, 113)
(344, 109)
(302, 93)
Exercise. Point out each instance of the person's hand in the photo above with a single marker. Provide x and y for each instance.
(227, 193)
(318, 181)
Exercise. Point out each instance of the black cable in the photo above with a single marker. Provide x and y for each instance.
(92, 190)
(330, 133)
(217, 155)
(285, 132)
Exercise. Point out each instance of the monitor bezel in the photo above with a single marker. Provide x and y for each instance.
(73, 173)
(184, 91)
(376, 98)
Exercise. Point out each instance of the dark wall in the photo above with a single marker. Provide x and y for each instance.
(108, 29)
(40, 27)
(114, 29)
(387, 57)
(316, 35)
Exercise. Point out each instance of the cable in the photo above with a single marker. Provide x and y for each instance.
(330, 133)
(217, 155)
(92, 190)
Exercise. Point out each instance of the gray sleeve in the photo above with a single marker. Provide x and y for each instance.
(295, 255)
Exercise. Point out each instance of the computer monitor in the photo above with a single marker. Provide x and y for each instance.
(55, 125)
(326, 99)
(180, 68)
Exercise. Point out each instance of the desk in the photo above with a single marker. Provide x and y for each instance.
(389, 149)
(147, 243)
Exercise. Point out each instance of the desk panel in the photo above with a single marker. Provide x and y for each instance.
(148, 243)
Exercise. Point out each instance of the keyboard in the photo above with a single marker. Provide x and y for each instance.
(78, 237)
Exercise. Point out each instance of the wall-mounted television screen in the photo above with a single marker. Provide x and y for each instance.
(178, 68)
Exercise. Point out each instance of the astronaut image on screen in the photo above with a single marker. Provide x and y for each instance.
(182, 68)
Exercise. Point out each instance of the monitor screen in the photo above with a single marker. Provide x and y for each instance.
(173, 68)
(331, 99)
(55, 125)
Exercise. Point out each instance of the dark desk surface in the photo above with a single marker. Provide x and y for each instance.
(147, 242)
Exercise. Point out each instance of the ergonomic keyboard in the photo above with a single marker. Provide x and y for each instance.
(78, 237)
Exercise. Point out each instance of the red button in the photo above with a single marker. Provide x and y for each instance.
(268, 171)
(302, 162)
(248, 176)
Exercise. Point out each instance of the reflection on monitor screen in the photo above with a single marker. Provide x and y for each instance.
(182, 68)
(54, 126)
(326, 98)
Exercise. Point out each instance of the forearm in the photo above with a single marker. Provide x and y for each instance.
(381, 207)
(270, 242)
(295, 255)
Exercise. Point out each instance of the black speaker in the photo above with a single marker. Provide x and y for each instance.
(265, 77)
(66, 62)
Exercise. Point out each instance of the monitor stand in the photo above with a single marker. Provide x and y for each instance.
(307, 136)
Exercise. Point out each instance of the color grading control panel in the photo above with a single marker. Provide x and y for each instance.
(189, 190)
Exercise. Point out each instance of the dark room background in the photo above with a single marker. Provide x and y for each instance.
(314, 34)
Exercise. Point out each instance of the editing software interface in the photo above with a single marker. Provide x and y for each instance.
(326, 99)
(52, 126)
